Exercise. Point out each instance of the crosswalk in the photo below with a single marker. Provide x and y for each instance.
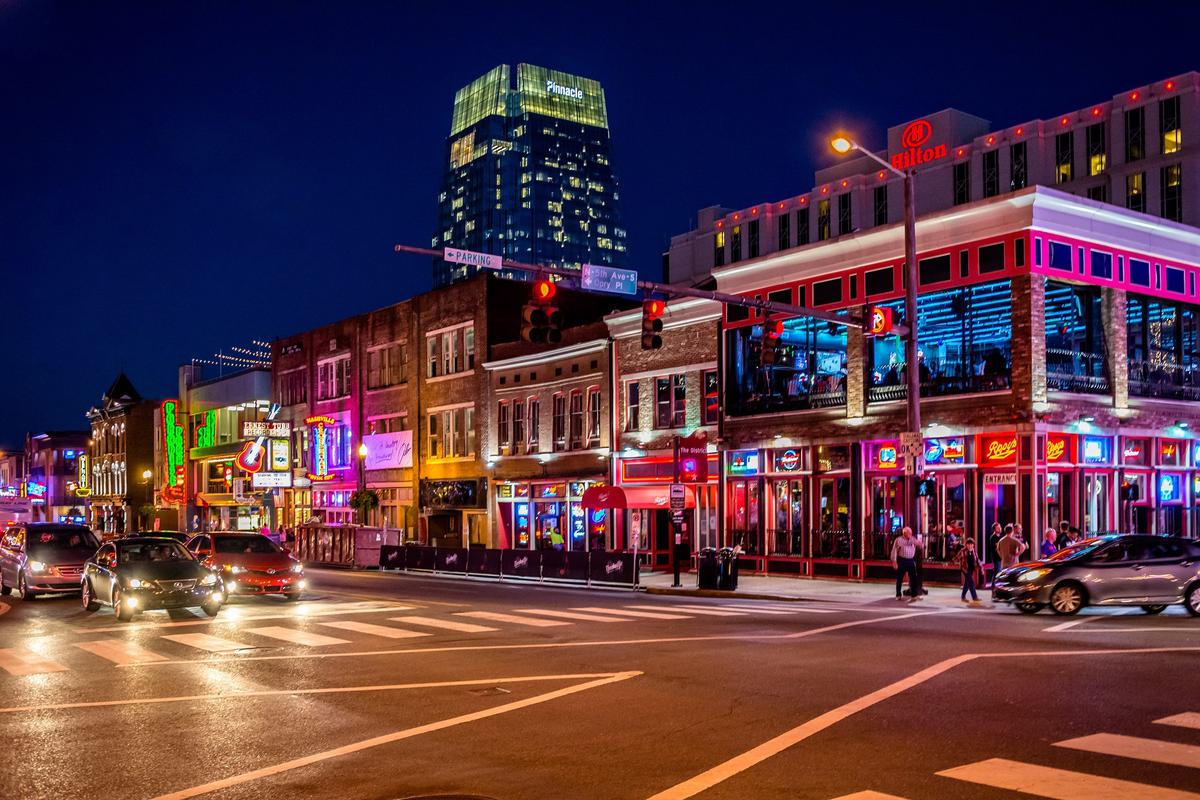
(173, 641)
(1039, 780)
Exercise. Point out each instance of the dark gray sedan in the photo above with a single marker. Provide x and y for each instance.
(1120, 570)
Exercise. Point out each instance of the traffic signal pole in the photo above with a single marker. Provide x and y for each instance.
(768, 306)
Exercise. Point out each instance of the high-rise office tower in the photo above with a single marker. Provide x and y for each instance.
(529, 173)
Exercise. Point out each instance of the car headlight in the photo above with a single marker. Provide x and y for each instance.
(137, 583)
(297, 567)
(209, 580)
(1032, 575)
(234, 568)
(37, 566)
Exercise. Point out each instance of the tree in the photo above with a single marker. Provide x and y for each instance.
(364, 501)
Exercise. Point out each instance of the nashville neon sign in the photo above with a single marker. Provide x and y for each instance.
(320, 443)
(914, 154)
(173, 467)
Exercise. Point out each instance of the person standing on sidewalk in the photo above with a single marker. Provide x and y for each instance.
(904, 560)
(1010, 549)
(1049, 548)
(970, 567)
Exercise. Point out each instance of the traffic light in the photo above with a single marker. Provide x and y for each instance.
(541, 323)
(652, 324)
(772, 330)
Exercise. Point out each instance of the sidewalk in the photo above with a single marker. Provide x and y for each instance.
(764, 587)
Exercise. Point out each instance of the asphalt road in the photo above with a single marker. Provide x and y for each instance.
(394, 686)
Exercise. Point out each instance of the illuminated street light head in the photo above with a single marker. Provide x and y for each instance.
(146, 474)
(841, 144)
(362, 450)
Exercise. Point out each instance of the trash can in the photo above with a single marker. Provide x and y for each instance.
(727, 574)
(708, 572)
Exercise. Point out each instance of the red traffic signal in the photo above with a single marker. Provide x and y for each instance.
(652, 325)
(544, 291)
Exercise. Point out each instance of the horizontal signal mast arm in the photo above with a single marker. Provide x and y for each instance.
(769, 306)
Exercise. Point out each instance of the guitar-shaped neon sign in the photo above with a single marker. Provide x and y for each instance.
(251, 456)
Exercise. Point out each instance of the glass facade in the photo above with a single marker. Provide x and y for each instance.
(1075, 352)
(529, 173)
(807, 368)
(1164, 348)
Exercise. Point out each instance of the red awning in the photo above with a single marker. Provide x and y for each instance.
(635, 497)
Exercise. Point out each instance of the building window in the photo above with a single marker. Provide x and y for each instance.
(1018, 168)
(753, 239)
(559, 421)
(962, 183)
(632, 405)
(1172, 191)
(991, 173)
(333, 378)
(450, 352)
(431, 348)
(1064, 157)
(1098, 193)
(1135, 134)
(1135, 192)
(389, 424)
(293, 387)
(1075, 352)
(452, 433)
(502, 426)
(785, 232)
(823, 229)
(735, 244)
(535, 424)
(845, 222)
(712, 400)
(670, 397)
(1097, 148)
(594, 402)
(518, 427)
(881, 209)
(387, 366)
(802, 234)
(576, 441)
(435, 435)
(1169, 125)
(719, 249)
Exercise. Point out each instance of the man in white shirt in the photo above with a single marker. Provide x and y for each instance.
(904, 559)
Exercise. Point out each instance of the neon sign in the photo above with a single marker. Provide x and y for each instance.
(743, 462)
(83, 487)
(320, 443)
(1056, 448)
(206, 431)
(912, 139)
(174, 469)
(945, 451)
(789, 460)
(881, 321)
(1169, 489)
(1000, 450)
(36, 492)
(886, 456)
(1095, 450)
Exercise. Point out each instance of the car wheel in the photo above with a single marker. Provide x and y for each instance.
(120, 608)
(291, 595)
(210, 609)
(1067, 599)
(85, 596)
(1192, 600)
(26, 592)
(1157, 608)
(1030, 608)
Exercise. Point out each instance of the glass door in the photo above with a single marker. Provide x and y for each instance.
(946, 516)
(887, 514)
(787, 519)
(832, 538)
(1097, 491)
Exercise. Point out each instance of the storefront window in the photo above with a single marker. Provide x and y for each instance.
(1075, 352)
(1164, 348)
(832, 537)
(965, 344)
(887, 513)
(788, 521)
(946, 509)
(807, 368)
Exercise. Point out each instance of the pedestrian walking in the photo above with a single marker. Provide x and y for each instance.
(1010, 549)
(904, 560)
(970, 568)
(1049, 547)
(993, 542)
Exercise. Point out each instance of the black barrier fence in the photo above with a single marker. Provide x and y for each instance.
(596, 567)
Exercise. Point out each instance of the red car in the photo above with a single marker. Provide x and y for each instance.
(250, 563)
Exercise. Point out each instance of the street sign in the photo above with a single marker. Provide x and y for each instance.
(471, 258)
(678, 496)
(609, 279)
(913, 444)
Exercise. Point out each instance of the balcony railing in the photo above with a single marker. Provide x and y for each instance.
(1164, 379)
(1074, 371)
(938, 386)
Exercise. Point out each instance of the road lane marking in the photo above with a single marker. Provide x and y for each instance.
(495, 616)
(1157, 750)
(552, 612)
(1059, 784)
(203, 641)
(1062, 626)
(223, 696)
(437, 623)
(1189, 719)
(386, 631)
(622, 612)
(445, 624)
(703, 611)
(120, 651)
(293, 636)
(1180, 629)
(728, 769)
(20, 661)
(408, 733)
(229, 618)
(870, 795)
(778, 610)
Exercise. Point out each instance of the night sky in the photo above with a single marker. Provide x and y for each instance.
(179, 177)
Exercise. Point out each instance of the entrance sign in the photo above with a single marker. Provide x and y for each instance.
(471, 258)
(608, 279)
(999, 478)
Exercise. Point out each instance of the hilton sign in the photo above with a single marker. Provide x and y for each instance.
(915, 153)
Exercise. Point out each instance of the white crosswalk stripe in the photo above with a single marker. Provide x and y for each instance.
(793, 608)
(495, 616)
(576, 615)
(444, 624)
(624, 612)
(120, 651)
(202, 641)
(1157, 750)
(703, 611)
(1188, 719)
(386, 631)
(1058, 784)
(870, 795)
(296, 636)
(19, 661)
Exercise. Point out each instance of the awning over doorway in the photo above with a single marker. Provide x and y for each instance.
(635, 497)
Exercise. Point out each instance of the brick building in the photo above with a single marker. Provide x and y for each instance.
(120, 472)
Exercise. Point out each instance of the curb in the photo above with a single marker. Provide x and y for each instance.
(790, 598)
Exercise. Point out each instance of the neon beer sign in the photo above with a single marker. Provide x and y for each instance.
(1000, 450)
(913, 139)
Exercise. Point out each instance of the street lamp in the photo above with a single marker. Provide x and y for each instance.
(843, 145)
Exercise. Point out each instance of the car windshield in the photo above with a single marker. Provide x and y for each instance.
(60, 543)
(151, 551)
(244, 544)
(1076, 550)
